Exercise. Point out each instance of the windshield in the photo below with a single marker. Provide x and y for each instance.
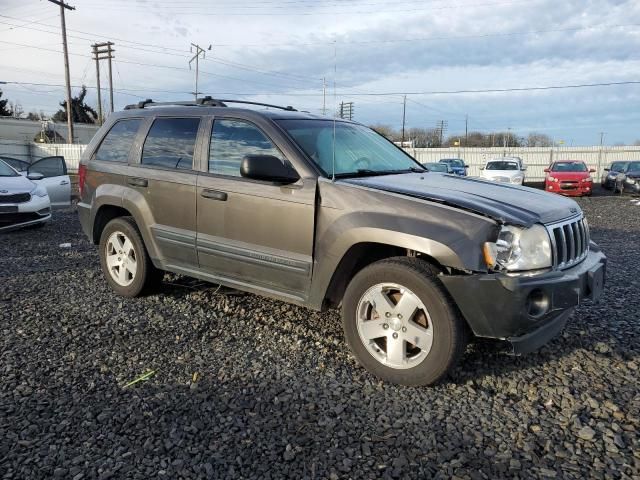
(618, 166)
(502, 166)
(7, 171)
(437, 167)
(569, 167)
(358, 149)
(454, 162)
(633, 167)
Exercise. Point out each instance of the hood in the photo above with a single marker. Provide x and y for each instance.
(633, 173)
(18, 184)
(570, 175)
(503, 202)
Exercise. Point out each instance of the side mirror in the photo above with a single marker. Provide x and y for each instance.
(35, 176)
(524, 169)
(592, 170)
(267, 168)
(466, 166)
(481, 168)
(607, 169)
(546, 170)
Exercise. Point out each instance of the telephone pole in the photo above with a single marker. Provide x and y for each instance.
(63, 7)
(466, 131)
(103, 51)
(196, 57)
(324, 96)
(404, 111)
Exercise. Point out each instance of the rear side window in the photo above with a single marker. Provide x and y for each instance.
(49, 167)
(171, 142)
(231, 140)
(117, 143)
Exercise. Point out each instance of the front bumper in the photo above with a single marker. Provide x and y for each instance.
(570, 189)
(14, 216)
(500, 305)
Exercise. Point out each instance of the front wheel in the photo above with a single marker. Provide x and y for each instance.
(401, 324)
(124, 258)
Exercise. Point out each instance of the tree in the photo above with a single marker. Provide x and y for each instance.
(4, 111)
(81, 112)
(539, 140)
(16, 109)
(386, 131)
(636, 143)
(36, 116)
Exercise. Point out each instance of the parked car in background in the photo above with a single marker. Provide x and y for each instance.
(54, 177)
(326, 213)
(457, 165)
(628, 181)
(569, 177)
(610, 174)
(504, 170)
(22, 201)
(438, 167)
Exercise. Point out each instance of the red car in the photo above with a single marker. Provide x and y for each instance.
(569, 177)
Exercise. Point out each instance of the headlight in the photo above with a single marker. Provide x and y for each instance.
(39, 191)
(516, 180)
(519, 249)
(630, 181)
(553, 179)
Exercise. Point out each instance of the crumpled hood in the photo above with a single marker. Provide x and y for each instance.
(18, 184)
(503, 202)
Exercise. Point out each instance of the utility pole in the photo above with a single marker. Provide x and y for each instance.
(441, 127)
(404, 111)
(196, 57)
(103, 51)
(324, 96)
(63, 7)
(600, 153)
(466, 131)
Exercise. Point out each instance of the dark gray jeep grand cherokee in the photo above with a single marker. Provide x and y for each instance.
(325, 213)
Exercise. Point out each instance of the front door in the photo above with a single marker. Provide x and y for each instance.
(55, 179)
(254, 233)
(165, 175)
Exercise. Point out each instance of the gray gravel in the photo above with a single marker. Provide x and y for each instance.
(251, 388)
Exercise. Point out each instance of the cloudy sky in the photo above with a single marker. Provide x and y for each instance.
(373, 51)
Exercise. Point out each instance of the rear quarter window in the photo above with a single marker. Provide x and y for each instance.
(116, 145)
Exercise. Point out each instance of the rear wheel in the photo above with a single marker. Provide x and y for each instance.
(401, 324)
(125, 262)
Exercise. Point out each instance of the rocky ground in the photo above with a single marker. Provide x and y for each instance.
(244, 387)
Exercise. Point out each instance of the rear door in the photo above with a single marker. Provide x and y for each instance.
(255, 233)
(165, 175)
(55, 180)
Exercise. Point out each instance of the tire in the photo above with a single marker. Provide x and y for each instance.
(369, 332)
(133, 273)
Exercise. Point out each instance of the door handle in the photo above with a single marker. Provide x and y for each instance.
(214, 195)
(137, 182)
(64, 182)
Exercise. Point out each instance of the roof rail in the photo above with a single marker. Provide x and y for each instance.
(204, 101)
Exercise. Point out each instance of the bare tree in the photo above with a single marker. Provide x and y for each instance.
(539, 140)
(386, 131)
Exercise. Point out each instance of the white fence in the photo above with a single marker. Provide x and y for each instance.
(535, 158)
(30, 151)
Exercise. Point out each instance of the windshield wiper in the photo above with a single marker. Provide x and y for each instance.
(365, 172)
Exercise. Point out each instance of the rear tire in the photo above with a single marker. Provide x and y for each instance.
(431, 335)
(124, 259)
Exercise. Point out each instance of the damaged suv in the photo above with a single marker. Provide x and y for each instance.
(327, 213)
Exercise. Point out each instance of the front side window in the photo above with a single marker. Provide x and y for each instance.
(633, 167)
(117, 143)
(569, 167)
(49, 167)
(171, 143)
(7, 171)
(353, 149)
(231, 140)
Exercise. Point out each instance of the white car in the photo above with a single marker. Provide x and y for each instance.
(504, 170)
(27, 198)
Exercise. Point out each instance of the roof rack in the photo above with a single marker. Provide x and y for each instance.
(204, 101)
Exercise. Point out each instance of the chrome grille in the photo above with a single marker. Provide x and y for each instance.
(569, 242)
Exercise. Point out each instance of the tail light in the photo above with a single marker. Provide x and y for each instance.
(82, 176)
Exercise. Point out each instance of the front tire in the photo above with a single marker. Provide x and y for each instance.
(124, 259)
(401, 324)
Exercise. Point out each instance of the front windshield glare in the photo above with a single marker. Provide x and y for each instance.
(358, 149)
(502, 166)
(569, 167)
(6, 170)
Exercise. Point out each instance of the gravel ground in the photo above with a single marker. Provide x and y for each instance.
(251, 388)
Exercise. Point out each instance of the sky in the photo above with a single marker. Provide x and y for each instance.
(370, 52)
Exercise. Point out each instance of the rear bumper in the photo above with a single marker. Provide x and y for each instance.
(502, 306)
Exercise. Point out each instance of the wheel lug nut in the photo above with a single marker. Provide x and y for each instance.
(399, 317)
(388, 314)
(395, 335)
(404, 329)
(385, 326)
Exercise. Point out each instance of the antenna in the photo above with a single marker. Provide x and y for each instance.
(335, 105)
